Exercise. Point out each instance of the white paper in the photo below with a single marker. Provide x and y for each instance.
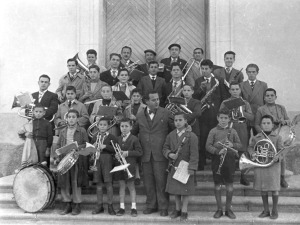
(181, 174)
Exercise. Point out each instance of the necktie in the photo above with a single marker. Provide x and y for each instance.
(175, 84)
(228, 70)
(173, 60)
(69, 104)
(252, 84)
(40, 96)
(114, 73)
(153, 77)
(207, 79)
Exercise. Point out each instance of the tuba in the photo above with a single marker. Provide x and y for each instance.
(82, 67)
(265, 154)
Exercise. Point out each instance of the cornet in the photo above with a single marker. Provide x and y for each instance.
(97, 154)
(121, 159)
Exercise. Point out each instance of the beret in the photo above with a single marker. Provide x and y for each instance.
(174, 45)
(149, 50)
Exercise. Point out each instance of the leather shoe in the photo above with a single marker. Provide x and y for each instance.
(184, 216)
(120, 212)
(274, 215)
(230, 214)
(175, 214)
(76, 210)
(149, 211)
(264, 214)
(133, 213)
(164, 212)
(244, 180)
(111, 210)
(98, 209)
(67, 209)
(218, 214)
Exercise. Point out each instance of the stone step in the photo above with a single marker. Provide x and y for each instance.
(202, 188)
(196, 203)
(17, 216)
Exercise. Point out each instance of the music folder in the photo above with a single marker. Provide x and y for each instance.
(107, 111)
(120, 96)
(67, 148)
(181, 174)
(234, 103)
(119, 168)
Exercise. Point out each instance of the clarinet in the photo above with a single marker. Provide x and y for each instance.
(172, 163)
(222, 157)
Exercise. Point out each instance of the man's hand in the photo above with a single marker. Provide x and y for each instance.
(173, 156)
(132, 117)
(229, 144)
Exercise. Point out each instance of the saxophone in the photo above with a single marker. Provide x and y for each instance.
(206, 105)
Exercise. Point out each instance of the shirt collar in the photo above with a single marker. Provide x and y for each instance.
(42, 92)
(230, 68)
(73, 101)
(252, 81)
(125, 137)
(177, 82)
(153, 76)
(179, 133)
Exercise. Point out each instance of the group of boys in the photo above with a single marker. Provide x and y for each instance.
(206, 88)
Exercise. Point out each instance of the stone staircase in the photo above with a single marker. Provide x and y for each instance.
(247, 204)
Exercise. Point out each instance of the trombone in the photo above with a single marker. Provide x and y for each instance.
(121, 159)
(188, 70)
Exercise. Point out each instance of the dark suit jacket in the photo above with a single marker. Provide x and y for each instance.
(195, 106)
(217, 96)
(145, 85)
(144, 68)
(235, 75)
(255, 97)
(108, 78)
(49, 100)
(167, 70)
(152, 138)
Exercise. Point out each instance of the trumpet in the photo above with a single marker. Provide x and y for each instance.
(121, 159)
(237, 114)
(96, 154)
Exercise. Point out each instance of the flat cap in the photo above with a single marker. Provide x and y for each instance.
(174, 45)
(149, 50)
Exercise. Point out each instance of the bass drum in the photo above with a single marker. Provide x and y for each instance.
(34, 188)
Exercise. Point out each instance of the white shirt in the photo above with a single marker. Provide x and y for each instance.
(41, 94)
(152, 77)
(151, 115)
(251, 82)
(179, 133)
(125, 138)
(112, 72)
(178, 83)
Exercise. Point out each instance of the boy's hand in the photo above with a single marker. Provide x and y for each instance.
(60, 98)
(124, 154)
(229, 144)
(28, 134)
(222, 151)
(47, 153)
(173, 156)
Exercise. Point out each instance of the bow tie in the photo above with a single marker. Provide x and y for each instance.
(152, 111)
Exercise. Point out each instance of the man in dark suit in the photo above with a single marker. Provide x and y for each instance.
(153, 125)
(135, 71)
(174, 50)
(152, 82)
(208, 120)
(47, 99)
(110, 76)
(253, 91)
(149, 56)
(228, 73)
(174, 87)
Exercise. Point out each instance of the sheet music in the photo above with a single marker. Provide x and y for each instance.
(181, 174)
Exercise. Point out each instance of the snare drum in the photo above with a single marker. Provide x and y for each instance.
(34, 188)
(67, 162)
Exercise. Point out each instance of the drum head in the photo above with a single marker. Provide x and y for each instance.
(31, 189)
